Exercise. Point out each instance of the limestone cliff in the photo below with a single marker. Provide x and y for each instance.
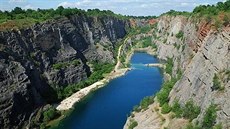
(201, 51)
(35, 61)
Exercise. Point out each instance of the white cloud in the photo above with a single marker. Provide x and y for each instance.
(17, 1)
(29, 7)
(144, 5)
(184, 4)
(137, 7)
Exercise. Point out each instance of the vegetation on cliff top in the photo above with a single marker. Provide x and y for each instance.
(19, 18)
(218, 15)
(204, 10)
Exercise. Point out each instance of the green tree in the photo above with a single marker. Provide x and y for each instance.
(165, 108)
(59, 10)
(176, 108)
(17, 10)
(209, 117)
(190, 110)
(50, 114)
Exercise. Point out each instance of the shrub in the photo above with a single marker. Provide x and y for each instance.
(190, 110)
(216, 83)
(191, 126)
(133, 124)
(42, 126)
(59, 65)
(75, 62)
(169, 66)
(165, 108)
(176, 108)
(218, 126)
(136, 108)
(146, 42)
(50, 114)
(180, 34)
(145, 29)
(209, 117)
(146, 102)
(162, 95)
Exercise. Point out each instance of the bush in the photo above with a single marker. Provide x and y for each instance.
(60, 65)
(50, 114)
(180, 34)
(165, 108)
(75, 62)
(191, 126)
(209, 117)
(136, 108)
(162, 95)
(176, 108)
(146, 102)
(169, 66)
(190, 110)
(133, 124)
(145, 29)
(218, 126)
(216, 83)
(42, 126)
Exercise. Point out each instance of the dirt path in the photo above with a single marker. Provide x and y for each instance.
(118, 56)
(166, 118)
(69, 102)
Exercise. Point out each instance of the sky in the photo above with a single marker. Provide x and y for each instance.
(125, 7)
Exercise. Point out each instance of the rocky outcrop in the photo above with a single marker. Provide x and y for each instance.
(37, 60)
(201, 54)
(200, 51)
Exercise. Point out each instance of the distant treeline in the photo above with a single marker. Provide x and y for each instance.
(44, 14)
(204, 10)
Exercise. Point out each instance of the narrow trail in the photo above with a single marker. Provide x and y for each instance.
(166, 118)
(69, 102)
(118, 56)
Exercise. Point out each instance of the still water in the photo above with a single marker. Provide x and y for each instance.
(108, 107)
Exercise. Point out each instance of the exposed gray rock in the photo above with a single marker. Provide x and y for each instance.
(200, 60)
(28, 75)
(201, 53)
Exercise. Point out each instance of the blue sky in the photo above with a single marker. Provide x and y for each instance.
(126, 7)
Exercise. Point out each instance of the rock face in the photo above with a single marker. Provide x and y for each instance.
(201, 52)
(36, 60)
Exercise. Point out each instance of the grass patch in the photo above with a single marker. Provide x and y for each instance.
(62, 65)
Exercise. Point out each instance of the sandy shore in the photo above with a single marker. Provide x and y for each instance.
(69, 102)
(155, 65)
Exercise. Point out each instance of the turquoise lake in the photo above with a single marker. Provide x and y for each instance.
(108, 107)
